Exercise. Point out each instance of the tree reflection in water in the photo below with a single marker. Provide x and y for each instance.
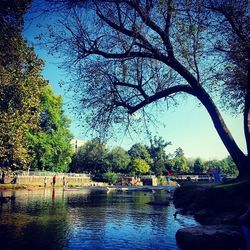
(87, 219)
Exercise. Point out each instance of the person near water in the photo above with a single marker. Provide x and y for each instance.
(168, 174)
(54, 181)
(64, 181)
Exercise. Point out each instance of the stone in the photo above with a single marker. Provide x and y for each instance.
(212, 237)
(159, 203)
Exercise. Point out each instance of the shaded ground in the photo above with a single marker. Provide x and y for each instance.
(214, 204)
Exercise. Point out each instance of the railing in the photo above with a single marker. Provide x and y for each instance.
(48, 173)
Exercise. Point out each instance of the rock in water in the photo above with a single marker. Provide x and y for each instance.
(159, 203)
(216, 237)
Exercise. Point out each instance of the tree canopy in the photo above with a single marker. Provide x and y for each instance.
(128, 54)
(139, 150)
(91, 157)
(50, 143)
(21, 84)
(118, 160)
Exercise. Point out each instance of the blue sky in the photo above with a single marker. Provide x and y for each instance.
(187, 126)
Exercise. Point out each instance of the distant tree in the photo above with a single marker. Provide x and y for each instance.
(179, 153)
(21, 85)
(169, 164)
(231, 167)
(227, 166)
(118, 160)
(91, 157)
(50, 143)
(199, 166)
(180, 165)
(159, 167)
(158, 154)
(190, 164)
(78, 159)
(140, 151)
(110, 177)
(140, 166)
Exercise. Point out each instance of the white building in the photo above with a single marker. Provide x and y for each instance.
(75, 143)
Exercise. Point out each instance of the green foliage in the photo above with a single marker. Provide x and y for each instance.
(121, 76)
(50, 145)
(118, 160)
(199, 166)
(140, 166)
(179, 153)
(140, 151)
(161, 180)
(227, 166)
(21, 85)
(91, 157)
(110, 177)
(180, 165)
(159, 167)
(158, 154)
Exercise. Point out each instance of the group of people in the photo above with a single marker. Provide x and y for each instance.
(214, 174)
(53, 183)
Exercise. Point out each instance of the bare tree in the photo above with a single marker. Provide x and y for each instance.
(128, 54)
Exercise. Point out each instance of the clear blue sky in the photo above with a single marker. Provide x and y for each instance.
(187, 126)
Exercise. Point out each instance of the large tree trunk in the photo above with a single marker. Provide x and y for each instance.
(247, 113)
(240, 159)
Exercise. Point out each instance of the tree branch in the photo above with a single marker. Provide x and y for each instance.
(138, 87)
(162, 94)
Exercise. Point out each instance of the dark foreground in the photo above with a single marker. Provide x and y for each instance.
(219, 208)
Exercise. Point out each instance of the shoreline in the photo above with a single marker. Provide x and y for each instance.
(218, 209)
(104, 187)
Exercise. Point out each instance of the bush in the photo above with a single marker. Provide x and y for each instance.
(110, 177)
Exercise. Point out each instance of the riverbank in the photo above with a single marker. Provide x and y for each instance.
(212, 204)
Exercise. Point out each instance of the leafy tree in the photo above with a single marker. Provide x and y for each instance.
(50, 145)
(118, 160)
(227, 166)
(21, 85)
(140, 151)
(198, 166)
(91, 157)
(159, 167)
(158, 154)
(77, 163)
(110, 177)
(140, 52)
(140, 166)
(231, 167)
(180, 165)
(179, 153)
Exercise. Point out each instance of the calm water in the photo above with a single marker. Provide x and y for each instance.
(88, 219)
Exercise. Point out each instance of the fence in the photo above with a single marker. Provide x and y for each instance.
(48, 173)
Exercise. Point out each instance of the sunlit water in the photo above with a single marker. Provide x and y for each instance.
(88, 219)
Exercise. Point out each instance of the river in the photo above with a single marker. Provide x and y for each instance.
(88, 219)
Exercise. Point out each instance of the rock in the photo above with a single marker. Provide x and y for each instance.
(159, 203)
(216, 237)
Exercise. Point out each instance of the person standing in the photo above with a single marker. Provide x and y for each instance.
(54, 181)
(168, 174)
(45, 181)
(64, 181)
(3, 177)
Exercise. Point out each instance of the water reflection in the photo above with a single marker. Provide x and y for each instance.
(87, 219)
